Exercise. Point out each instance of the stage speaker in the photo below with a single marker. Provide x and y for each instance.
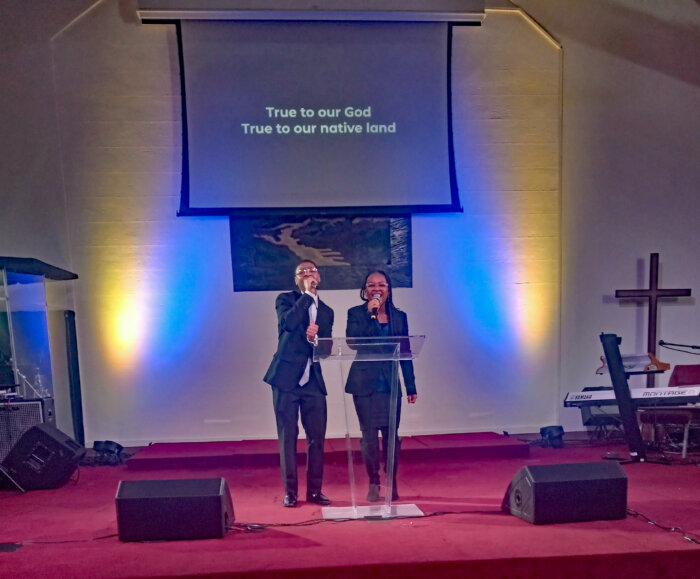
(18, 417)
(43, 458)
(566, 493)
(167, 510)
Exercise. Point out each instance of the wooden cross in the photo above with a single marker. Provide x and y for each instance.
(653, 294)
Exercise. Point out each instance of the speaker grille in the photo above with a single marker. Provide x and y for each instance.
(18, 417)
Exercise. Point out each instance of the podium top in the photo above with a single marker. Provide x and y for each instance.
(373, 349)
(33, 266)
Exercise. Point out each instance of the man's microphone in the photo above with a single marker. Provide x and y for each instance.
(375, 311)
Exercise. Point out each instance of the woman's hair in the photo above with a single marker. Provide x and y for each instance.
(363, 295)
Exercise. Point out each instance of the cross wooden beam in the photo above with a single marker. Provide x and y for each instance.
(653, 295)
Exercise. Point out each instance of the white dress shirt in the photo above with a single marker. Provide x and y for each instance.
(313, 309)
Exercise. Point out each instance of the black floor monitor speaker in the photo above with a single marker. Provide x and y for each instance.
(167, 510)
(43, 458)
(566, 493)
(19, 416)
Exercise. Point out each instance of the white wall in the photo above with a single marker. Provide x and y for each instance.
(631, 170)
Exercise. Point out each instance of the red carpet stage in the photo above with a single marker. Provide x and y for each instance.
(457, 481)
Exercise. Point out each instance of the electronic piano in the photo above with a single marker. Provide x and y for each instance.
(678, 396)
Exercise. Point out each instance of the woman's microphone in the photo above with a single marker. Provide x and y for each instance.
(375, 311)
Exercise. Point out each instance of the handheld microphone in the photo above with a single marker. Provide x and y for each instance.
(375, 311)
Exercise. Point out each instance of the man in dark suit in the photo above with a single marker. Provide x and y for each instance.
(297, 383)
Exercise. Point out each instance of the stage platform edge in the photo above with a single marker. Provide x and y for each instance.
(261, 452)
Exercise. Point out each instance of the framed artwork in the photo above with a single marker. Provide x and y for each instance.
(265, 250)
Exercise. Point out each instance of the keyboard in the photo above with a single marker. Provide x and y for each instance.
(640, 396)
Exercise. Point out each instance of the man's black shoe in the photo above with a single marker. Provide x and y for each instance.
(290, 500)
(318, 497)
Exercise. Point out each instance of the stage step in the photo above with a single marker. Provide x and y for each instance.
(257, 452)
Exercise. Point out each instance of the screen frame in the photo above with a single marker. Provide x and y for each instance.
(454, 206)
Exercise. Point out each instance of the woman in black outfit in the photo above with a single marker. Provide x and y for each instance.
(370, 381)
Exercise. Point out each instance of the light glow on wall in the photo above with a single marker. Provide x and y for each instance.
(508, 251)
(126, 340)
(151, 318)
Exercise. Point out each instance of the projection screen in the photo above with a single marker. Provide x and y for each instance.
(330, 117)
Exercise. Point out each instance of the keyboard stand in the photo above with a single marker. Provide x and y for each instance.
(627, 408)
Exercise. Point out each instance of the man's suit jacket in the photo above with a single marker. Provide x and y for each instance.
(293, 349)
(364, 375)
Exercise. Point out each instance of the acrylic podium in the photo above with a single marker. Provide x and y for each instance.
(39, 376)
(341, 353)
